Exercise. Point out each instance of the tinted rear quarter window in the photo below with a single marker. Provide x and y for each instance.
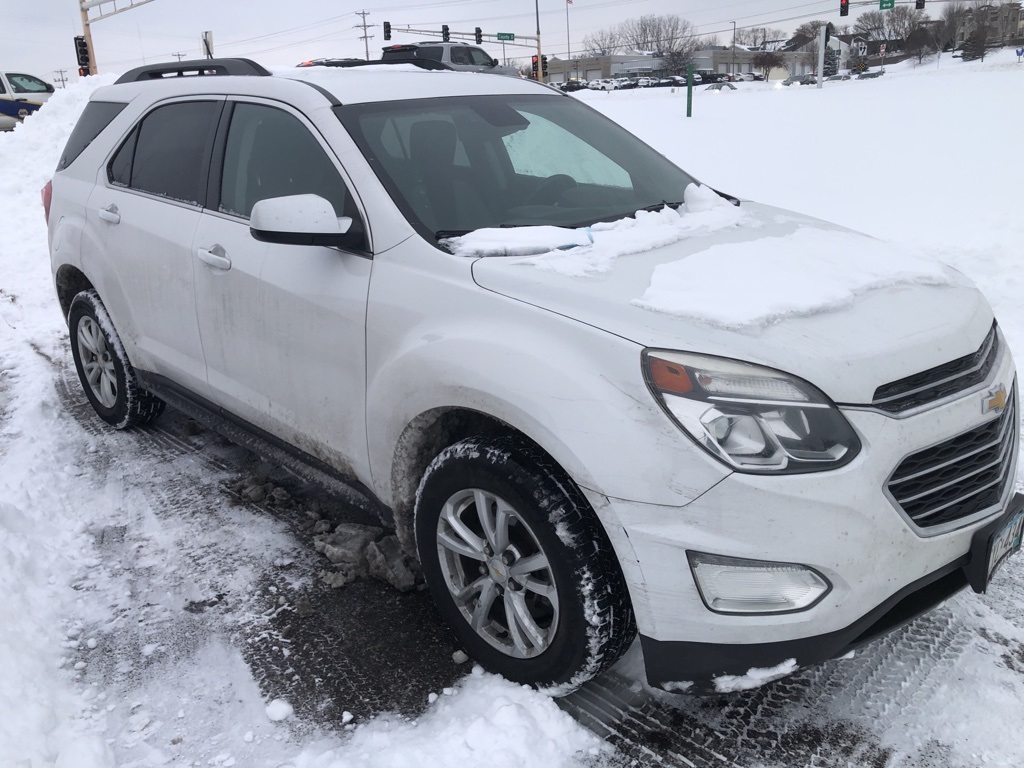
(96, 116)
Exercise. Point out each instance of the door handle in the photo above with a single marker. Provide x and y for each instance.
(110, 214)
(207, 256)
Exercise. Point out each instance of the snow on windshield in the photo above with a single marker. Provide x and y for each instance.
(809, 271)
(593, 249)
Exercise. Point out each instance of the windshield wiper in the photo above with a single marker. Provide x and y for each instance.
(443, 234)
(658, 206)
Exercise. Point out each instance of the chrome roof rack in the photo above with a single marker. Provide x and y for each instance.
(194, 68)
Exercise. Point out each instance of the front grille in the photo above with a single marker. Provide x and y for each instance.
(961, 476)
(941, 381)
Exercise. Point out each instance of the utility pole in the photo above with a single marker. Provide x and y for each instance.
(540, 55)
(179, 56)
(732, 66)
(364, 26)
(60, 77)
(84, 6)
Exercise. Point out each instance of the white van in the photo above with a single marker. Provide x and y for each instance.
(20, 96)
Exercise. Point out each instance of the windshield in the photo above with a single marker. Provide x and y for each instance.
(21, 83)
(458, 164)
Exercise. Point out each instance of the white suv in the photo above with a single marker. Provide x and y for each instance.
(596, 397)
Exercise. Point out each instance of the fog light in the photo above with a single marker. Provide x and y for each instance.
(734, 585)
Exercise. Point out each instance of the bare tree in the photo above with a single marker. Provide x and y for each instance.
(810, 28)
(677, 60)
(766, 61)
(873, 24)
(902, 21)
(601, 43)
(954, 16)
(661, 34)
(1001, 21)
(758, 36)
(920, 43)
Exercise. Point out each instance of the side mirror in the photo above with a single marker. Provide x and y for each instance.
(494, 62)
(298, 220)
(49, 88)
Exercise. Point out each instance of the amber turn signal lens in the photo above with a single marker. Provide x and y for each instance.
(669, 377)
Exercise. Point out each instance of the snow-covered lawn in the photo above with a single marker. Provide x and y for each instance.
(927, 157)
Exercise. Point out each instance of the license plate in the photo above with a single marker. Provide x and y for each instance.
(1005, 542)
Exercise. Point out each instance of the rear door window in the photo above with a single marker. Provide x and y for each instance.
(168, 152)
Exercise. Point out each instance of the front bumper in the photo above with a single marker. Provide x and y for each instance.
(883, 569)
(693, 666)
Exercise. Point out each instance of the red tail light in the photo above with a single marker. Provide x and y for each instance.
(47, 195)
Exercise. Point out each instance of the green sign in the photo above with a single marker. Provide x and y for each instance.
(505, 37)
(886, 5)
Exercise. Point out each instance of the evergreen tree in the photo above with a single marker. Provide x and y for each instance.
(831, 62)
(974, 47)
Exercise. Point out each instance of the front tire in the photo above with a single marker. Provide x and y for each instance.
(103, 368)
(519, 565)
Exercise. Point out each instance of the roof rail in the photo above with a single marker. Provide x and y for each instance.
(421, 63)
(194, 68)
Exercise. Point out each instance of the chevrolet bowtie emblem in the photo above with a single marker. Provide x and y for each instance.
(994, 400)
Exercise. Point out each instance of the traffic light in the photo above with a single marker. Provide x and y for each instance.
(82, 52)
(387, 30)
(83, 71)
(919, 5)
(544, 65)
(479, 35)
(844, 7)
(534, 75)
(444, 32)
(828, 32)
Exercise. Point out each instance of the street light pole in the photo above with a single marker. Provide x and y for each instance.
(732, 66)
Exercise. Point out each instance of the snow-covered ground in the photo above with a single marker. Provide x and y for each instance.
(926, 157)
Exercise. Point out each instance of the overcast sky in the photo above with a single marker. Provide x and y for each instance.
(36, 35)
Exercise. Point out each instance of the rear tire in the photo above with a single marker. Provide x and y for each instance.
(103, 368)
(519, 565)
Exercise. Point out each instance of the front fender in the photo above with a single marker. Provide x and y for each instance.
(437, 340)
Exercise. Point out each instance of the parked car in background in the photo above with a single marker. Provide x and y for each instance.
(604, 84)
(870, 75)
(721, 87)
(743, 77)
(457, 56)
(800, 80)
(572, 85)
(837, 78)
(20, 95)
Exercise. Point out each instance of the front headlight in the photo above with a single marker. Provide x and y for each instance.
(752, 418)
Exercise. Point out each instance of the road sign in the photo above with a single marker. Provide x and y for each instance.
(886, 5)
(506, 37)
(881, 50)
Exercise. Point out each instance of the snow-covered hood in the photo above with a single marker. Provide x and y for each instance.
(837, 308)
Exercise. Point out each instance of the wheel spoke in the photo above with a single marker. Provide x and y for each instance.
(466, 593)
(483, 606)
(86, 339)
(529, 564)
(459, 538)
(450, 541)
(93, 372)
(542, 588)
(520, 622)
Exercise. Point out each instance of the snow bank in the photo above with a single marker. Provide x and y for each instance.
(486, 721)
(757, 283)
